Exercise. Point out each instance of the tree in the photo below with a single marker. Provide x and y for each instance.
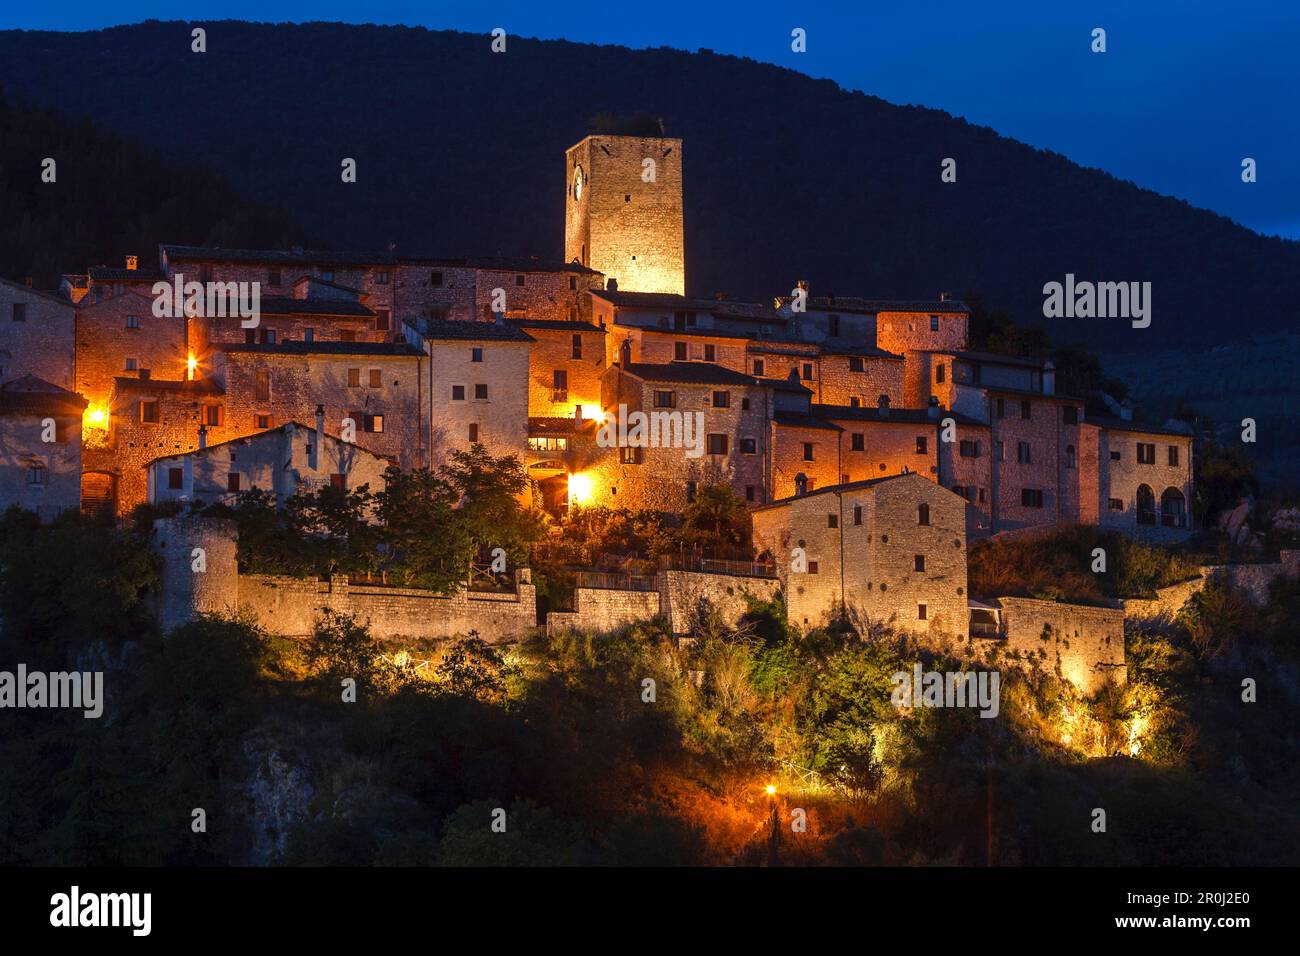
(718, 520)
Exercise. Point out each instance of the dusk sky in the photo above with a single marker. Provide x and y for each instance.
(1185, 91)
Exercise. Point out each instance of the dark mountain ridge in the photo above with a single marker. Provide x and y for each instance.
(460, 151)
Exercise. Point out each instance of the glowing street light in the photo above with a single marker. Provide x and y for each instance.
(771, 790)
(581, 488)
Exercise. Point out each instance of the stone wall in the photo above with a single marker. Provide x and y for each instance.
(41, 344)
(596, 610)
(106, 339)
(1254, 579)
(1084, 644)
(683, 592)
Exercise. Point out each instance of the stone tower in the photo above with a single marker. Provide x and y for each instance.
(623, 211)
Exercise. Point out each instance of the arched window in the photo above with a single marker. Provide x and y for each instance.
(1173, 509)
(1069, 456)
(922, 514)
(1146, 505)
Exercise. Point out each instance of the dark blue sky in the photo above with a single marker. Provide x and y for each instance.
(1186, 89)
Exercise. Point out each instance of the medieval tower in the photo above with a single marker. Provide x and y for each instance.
(623, 211)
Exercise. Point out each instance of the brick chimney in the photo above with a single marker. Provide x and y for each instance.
(943, 296)
(132, 263)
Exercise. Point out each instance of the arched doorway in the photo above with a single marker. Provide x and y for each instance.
(1173, 509)
(98, 494)
(1146, 505)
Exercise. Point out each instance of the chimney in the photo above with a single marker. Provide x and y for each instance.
(611, 284)
(1049, 378)
(943, 296)
(1126, 410)
(29, 280)
(577, 413)
(203, 436)
(800, 485)
(318, 446)
(934, 409)
(132, 263)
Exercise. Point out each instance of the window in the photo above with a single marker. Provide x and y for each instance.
(212, 415)
(812, 567)
(855, 402)
(710, 352)
(1116, 504)
(559, 385)
(266, 336)
(968, 448)
(473, 433)
(918, 562)
(519, 280)
(1070, 415)
(807, 371)
(435, 278)
(999, 451)
(717, 444)
(36, 474)
(858, 441)
(744, 404)
(690, 491)
(309, 335)
(1070, 460)
(232, 482)
(1031, 497)
(721, 399)
(272, 276)
(20, 312)
(262, 420)
(922, 445)
(934, 323)
(1000, 407)
(382, 277)
(922, 515)
(458, 393)
(1146, 453)
(748, 446)
(576, 347)
(855, 364)
(807, 451)
(149, 411)
(373, 423)
(376, 378)
(573, 283)
(749, 492)
(1022, 453)
(833, 326)
(175, 478)
(1026, 410)
(1173, 455)
(133, 321)
(832, 521)
(1114, 456)
(132, 365)
(262, 385)
(759, 367)
(250, 336)
(381, 320)
(543, 443)
(630, 455)
(354, 378)
(1146, 505)
(665, 399)
(857, 514)
(480, 392)
(679, 351)
(939, 372)
(921, 611)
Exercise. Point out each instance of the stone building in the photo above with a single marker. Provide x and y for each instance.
(889, 550)
(623, 211)
(285, 460)
(118, 336)
(40, 447)
(37, 335)
(1138, 478)
(377, 386)
(479, 386)
(917, 326)
(566, 361)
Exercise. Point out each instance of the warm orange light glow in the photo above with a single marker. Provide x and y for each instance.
(593, 413)
(191, 364)
(581, 489)
(771, 790)
(96, 416)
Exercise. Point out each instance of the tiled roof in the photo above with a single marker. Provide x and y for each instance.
(284, 256)
(287, 305)
(906, 416)
(558, 325)
(245, 439)
(687, 373)
(992, 358)
(199, 386)
(862, 351)
(114, 274)
(24, 287)
(856, 305)
(723, 308)
(543, 426)
(1026, 392)
(294, 347)
(32, 395)
(1124, 425)
(786, 385)
(800, 420)
(499, 264)
(853, 486)
(471, 331)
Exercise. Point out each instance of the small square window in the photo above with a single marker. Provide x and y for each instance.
(376, 378)
(354, 378)
(922, 445)
(19, 312)
(918, 562)
(807, 451)
(473, 433)
(718, 444)
(263, 420)
(458, 393)
(519, 280)
(758, 368)
(149, 412)
(748, 446)
(480, 392)
(922, 612)
(476, 354)
(133, 321)
(232, 481)
(435, 278)
(832, 521)
(721, 399)
(175, 478)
